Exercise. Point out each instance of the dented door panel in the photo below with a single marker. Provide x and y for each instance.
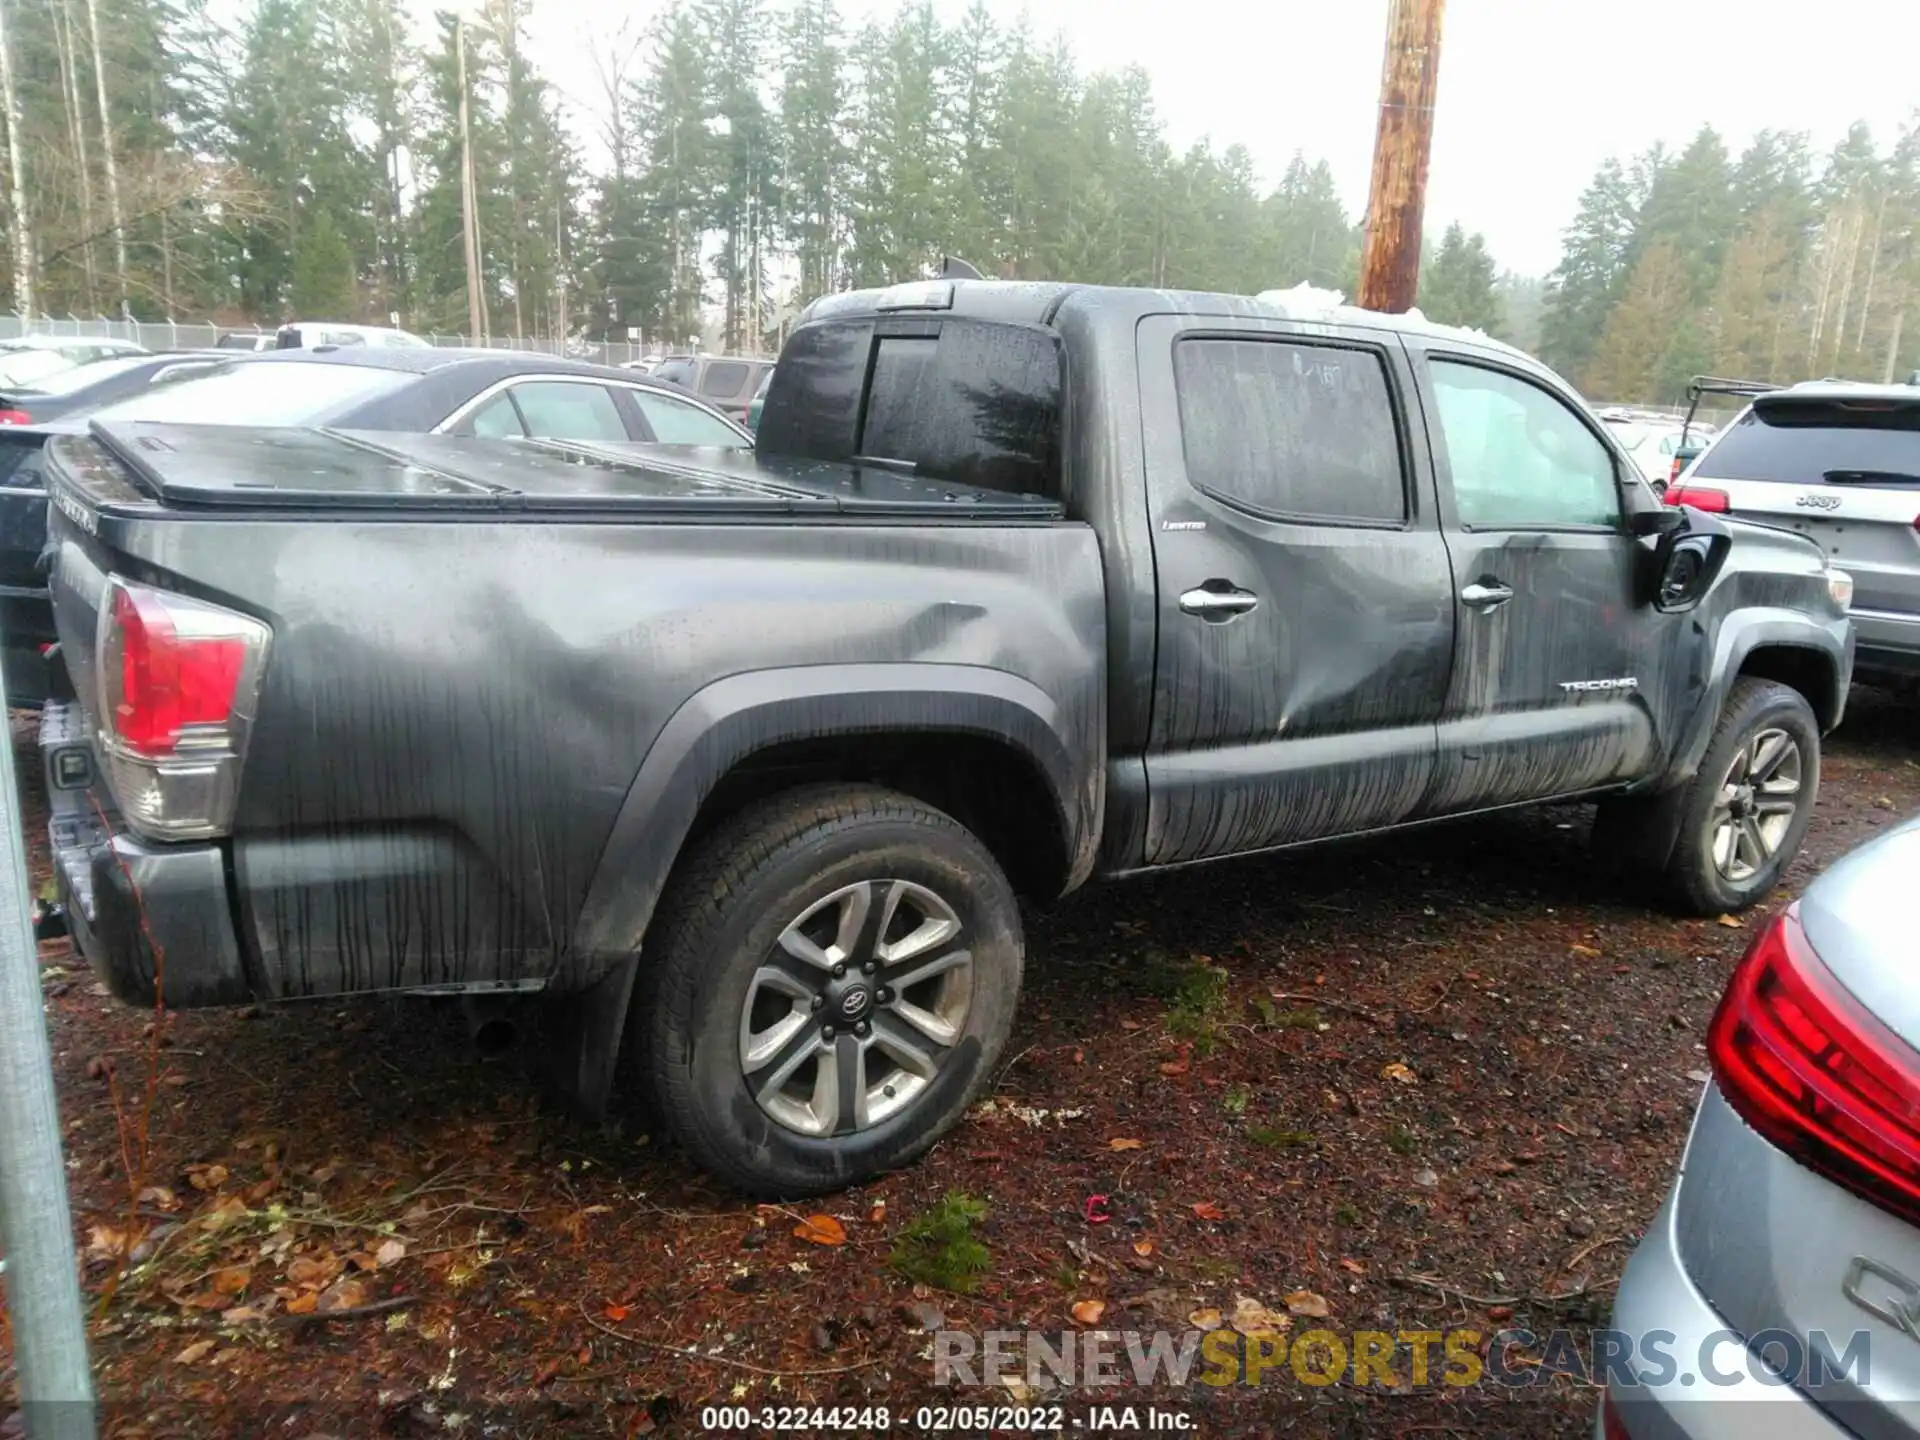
(1311, 714)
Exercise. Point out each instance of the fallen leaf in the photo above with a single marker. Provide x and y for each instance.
(1143, 1248)
(106, 1243)
(343, 1295)
(878, 1214)
(1121, 1142)
(303, 1304)
(1730, 922)
(1129, 1024)
(194, 1352)
(1206, 1318)
(206, 1177)
(1586, 950)
(617, 1313)
(391, 1252)
(1088, 1312)
(241, 1314)
(1356, 1267)
(1207, 1210)
(315, 1272)
(1398, 1071)
(232, 1281)
(160, 1197)
(1250, 1317)
(1305, 1302)
(821, 1230)
(224, 1212)
(1174, 1067)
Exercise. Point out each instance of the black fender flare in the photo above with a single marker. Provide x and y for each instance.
(1648, 824)
(730, 719)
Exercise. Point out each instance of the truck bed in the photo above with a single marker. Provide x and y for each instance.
(224, 468)
(503, 677)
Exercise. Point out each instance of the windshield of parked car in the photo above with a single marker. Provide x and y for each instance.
(78, 377)
(262, 392)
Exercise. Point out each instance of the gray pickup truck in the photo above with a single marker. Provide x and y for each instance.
(1025, 584)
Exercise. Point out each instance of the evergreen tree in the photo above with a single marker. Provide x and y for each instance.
(1457, 287)
(1586, 284)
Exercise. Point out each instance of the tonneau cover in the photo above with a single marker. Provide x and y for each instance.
(242, 467)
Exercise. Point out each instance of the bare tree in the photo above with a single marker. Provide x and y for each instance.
(112, 168)
(21, 230)
(64, 39)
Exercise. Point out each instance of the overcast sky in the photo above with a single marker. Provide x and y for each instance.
(1533, 93)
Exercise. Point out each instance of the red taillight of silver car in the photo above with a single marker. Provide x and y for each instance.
(178, 681)
(1808, 1067)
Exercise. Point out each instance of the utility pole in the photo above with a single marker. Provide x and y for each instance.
(1390, 265)
(469, 224)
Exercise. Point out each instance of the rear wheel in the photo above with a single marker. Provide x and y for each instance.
(829, 984)
(1748, 807)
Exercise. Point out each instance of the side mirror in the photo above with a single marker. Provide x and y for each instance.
(1650, 524)
(1687, 575)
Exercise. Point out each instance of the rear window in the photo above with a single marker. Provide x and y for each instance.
(1804, 442)
(296, 392)
(676, 372)
(65, 382)
(968, 401)
(723, 379)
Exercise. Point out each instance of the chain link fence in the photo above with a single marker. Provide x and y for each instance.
(190, 335)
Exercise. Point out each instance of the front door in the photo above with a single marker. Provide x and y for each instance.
(1547, 695)
(1305, 611)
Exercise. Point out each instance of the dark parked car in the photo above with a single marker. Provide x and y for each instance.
(102, 382)
(759, 747)
(727, 382)
(479, 392)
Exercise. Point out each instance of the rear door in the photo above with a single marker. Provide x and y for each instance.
(1845, 472)
(1305, 614)
(1547, 695)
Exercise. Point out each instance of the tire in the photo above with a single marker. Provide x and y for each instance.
(739, 973)
(1706, 875)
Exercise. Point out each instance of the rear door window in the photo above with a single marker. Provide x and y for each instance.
(1291, 430)
(1817, 442)
(569, 410)
(497, 419)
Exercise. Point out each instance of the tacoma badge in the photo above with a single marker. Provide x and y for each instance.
(1579, 687)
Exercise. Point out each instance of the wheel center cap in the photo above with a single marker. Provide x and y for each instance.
(1743, 802)
(853, 1002)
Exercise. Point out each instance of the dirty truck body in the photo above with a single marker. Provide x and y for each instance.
(1027, 584)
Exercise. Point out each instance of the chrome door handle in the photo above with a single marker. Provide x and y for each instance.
(1218, 605)
(1486, 597)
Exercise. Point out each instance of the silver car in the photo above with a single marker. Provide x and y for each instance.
(1839, 463)
(1777, 1292)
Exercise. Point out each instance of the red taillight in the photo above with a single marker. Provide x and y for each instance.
(1806, 1065)
(178, 681)
(1700, 498)
(170, 682)
(15, 417)
(1611, 1425)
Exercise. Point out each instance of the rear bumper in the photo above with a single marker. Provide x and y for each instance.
(1887, 643)
(1673, 1402)
(137, 911)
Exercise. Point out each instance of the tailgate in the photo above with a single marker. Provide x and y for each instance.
(1843, 471)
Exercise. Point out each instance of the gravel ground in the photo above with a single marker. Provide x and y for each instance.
(1431, 1084)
